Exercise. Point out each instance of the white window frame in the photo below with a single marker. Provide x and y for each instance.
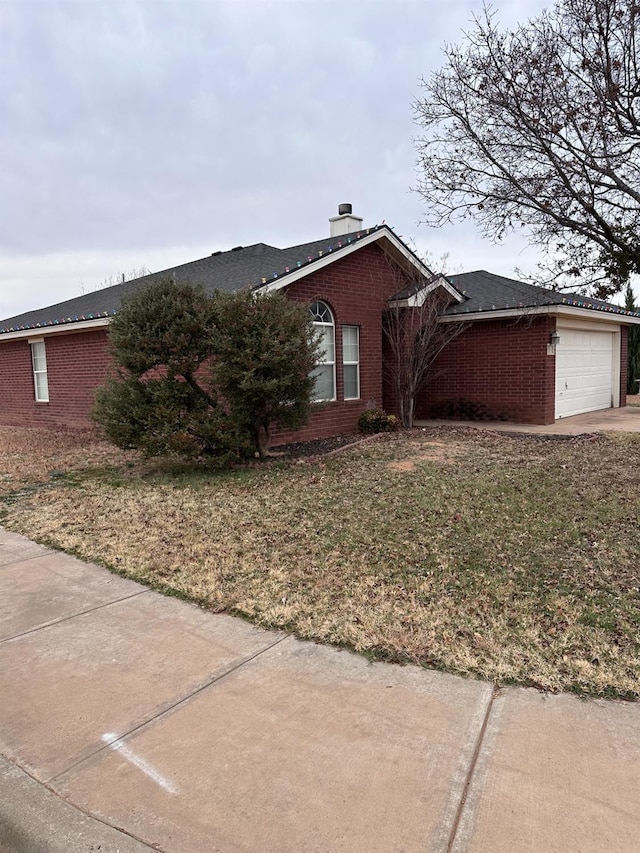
(39, 352)
(346, 363)
(323, 321)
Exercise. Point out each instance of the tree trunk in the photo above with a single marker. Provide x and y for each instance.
(410, 407)
(404, 410)
(262, 440)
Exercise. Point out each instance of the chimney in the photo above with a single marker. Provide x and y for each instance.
(345, 222)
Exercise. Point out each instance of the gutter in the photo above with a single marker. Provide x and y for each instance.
(58, 327)
(611, 315)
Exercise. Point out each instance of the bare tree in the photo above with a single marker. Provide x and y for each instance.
(414, 337)
(539, 128)
(113, 279)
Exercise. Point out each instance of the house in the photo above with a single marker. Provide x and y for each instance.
(528, 354)
(508, 361)
(53, 359)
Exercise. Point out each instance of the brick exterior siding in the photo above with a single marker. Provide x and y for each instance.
(76, 365)
(495, 370)
(355, 287)
(624, 363)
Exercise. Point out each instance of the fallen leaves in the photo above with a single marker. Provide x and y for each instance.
(519, 563)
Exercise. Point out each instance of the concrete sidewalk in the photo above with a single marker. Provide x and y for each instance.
(130, 721)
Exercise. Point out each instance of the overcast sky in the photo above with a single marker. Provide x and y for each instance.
(146, 133)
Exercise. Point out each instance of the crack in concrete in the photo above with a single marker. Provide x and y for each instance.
(22, 559)
(123, 735)
(470, 772)
(71, 616)
(25, 832)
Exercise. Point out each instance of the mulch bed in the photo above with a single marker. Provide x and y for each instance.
(317, 447)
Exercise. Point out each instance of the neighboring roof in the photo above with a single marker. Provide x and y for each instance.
(485, 292)
(256, 267)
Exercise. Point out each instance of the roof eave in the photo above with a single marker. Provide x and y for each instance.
(56, 328)
(602, 314)
(360, 239)
(417, 300)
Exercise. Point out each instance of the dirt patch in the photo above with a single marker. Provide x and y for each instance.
(439, 451)
(404, 465)
(436, 451)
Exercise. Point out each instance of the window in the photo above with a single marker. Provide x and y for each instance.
(351, 361)
(325, 373)
(39, 361)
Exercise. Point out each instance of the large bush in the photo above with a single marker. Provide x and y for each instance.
(264, 351)
(202, 375)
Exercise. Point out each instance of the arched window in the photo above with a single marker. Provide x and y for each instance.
(325, 373)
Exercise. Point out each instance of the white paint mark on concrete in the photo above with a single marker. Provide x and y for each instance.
(120, 746)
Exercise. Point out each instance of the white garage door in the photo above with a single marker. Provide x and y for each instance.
(584, 372)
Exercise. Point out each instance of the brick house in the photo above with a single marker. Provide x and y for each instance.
(507, 362)
(528, 354)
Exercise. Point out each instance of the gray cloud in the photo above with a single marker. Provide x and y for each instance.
(133, 127)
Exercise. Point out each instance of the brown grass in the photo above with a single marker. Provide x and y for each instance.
(31, 456)
(509, 558)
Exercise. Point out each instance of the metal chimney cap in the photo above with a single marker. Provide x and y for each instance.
(344, 209)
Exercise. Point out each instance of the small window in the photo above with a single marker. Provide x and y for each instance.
(325, 373)
(351, 361)
(39, 362)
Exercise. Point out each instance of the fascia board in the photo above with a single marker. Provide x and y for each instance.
(559, 310)
(442, 281)
(343, 252)
(56, 329)
(418, 299)
(597, 314)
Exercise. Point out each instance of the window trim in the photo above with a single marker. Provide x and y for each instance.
(43, 371)
(325, 324)
(346, 363)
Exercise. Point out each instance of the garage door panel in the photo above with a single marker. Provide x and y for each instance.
(584, 372)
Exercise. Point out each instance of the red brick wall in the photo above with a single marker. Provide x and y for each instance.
(499, 369)
(77, 364)
(356, 288)
(495, 370)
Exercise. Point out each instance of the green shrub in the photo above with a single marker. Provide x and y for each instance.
(206, 375)
(375, 420)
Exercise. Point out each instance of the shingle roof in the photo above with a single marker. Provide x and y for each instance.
(257, 265)
(487, 292)
(243, 267)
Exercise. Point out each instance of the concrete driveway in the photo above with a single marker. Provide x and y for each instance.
(131, 722)
(626, 419)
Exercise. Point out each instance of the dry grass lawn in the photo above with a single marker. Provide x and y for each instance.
(508, 558)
